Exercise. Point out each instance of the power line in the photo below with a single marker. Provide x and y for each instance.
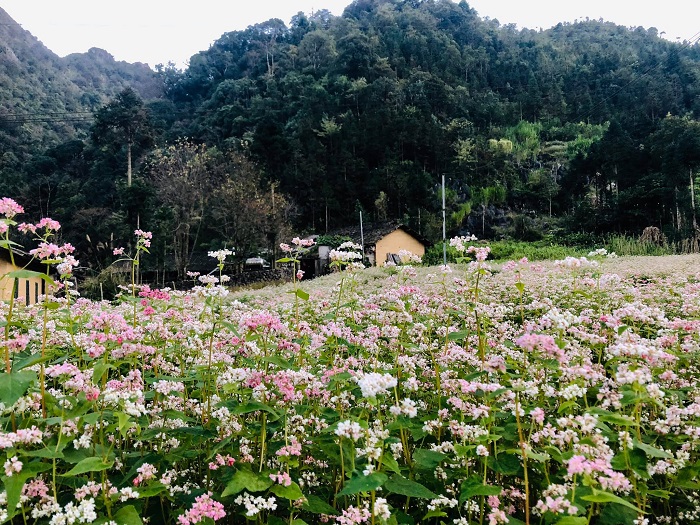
(46, 117)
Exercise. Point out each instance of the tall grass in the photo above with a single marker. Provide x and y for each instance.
(510, 250)
(534, 251)
(626, 245)
(622, 245)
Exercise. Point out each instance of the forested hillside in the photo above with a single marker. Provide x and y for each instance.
(45, 99)
(586, 127)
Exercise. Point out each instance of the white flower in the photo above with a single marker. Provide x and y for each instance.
(221, 254)
(12, 466)
(349, 429)
(381, 509)
(373, 383)
(254, 505)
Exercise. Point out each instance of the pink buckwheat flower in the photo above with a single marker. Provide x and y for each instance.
(353, 515)
(537, 415)
(204, 507)
(12, 466)
(292, 449)
(9, 208)
(26, 227)
(146, 472)
(282, 478)
(49, 224)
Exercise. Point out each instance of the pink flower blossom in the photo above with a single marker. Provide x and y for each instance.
(282, 478)
(204, 507)
(49, 224)
(9, 208)
(12, 466)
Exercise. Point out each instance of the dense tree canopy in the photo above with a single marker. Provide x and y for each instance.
(587, 126)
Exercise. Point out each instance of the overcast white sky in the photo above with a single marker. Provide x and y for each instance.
(159, 31)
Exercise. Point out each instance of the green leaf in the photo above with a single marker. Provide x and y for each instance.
(292, 492)
(390, 463)
(458, 336)
(658, 493)
(153, 489)
(475, 487)
(566, 406)
(406, 487)
(651, 451)
(573, 520)
(363, 484)
(301, 294)
(127, 516)
(99, 369)
(91, 464)
(245, 479)
(554, 453)
(402, 518)
(4, 243)
(13, 489)
(427, 459)
(531, 454)
(508, 464)
(617, 515)
(29, 274)
(316, 505)
(34, 359)
(124, 424)
(280, 363)
(599, 496)
(254, 406)
(14, 385)
(51, 452)
(617, 419)
(520, 286)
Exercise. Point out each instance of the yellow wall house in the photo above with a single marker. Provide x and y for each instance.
(387, 247)
(26, 290)
(383, 242)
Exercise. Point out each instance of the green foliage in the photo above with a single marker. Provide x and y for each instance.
(505, 250)
(332, 240)
(368, 109)
(534, 251)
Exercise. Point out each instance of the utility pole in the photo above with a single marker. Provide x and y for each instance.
(362, 238)
(444, 234)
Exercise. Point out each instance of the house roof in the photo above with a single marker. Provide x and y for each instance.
(373, 233)
(22, 259)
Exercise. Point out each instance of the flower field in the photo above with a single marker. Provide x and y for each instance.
(519, 393)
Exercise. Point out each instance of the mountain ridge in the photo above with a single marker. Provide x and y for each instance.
(36, 85)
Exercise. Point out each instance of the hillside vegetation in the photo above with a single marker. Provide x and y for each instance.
(573, 133)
